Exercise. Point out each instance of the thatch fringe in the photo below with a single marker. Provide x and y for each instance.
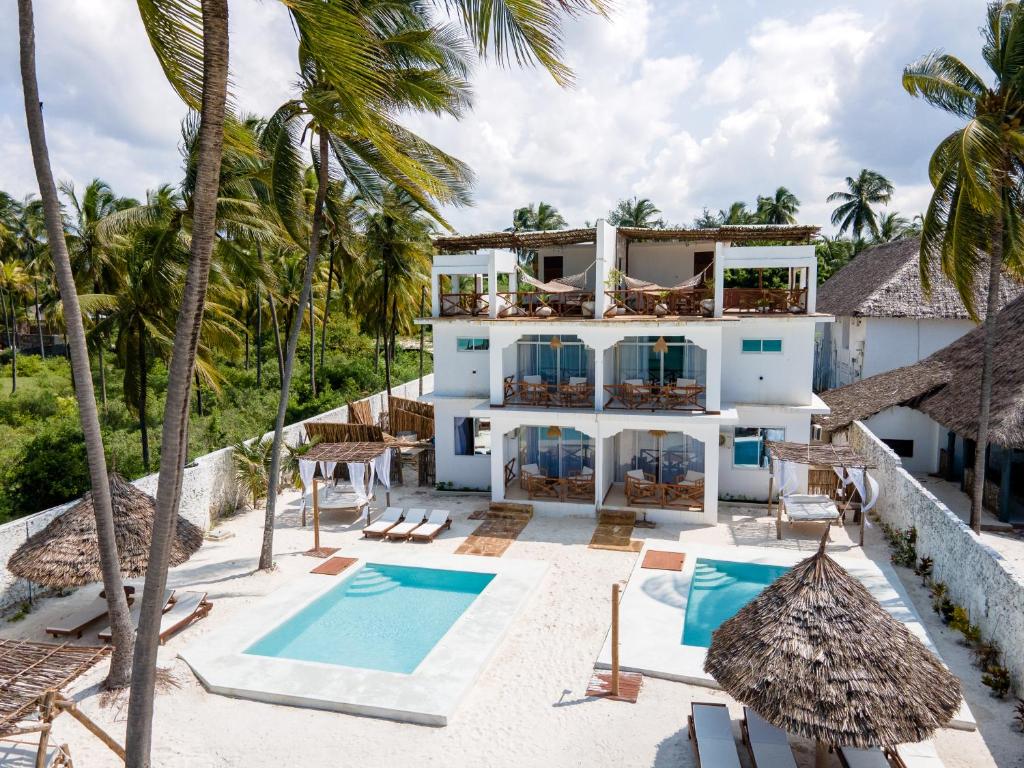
(816, 655)
(336, 432)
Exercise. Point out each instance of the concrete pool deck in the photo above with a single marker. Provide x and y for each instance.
(653, 608)
(427, 696)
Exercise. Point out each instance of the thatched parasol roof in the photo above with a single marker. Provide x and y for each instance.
(816, 655)
(818, 454)
(885, 281)
(66, 552)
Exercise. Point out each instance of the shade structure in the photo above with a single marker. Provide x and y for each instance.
(66, 552)
(816, 655)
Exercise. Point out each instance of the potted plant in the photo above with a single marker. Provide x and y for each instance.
(661, 307)
(543, 310)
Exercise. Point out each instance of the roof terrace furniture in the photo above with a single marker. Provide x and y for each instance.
(773, 300)
(469, 303)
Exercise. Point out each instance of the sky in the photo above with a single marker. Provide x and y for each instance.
(690, 104)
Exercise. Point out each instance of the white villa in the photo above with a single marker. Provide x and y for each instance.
(628, 377)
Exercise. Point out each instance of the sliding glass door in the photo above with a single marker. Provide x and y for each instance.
(558, 452)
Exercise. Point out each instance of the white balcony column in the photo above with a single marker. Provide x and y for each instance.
(721, 251)
(713, 376)
(513, 283)
(604, 253)
(499, 339)
(497, 463)
(600, 343)
(492, 287)
(812, 287)
(435, 292)
(711, 476)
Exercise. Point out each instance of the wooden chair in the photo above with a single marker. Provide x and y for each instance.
(509, 387)
(533, 390)
(526, 472)
(642, 489)
(635, 393)
(541, 487)
(686, 491)
(580, 486)
(576, 392)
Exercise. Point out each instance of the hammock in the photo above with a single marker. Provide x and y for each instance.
(568, 284)
(634, 284)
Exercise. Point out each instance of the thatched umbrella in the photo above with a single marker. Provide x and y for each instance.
(66, 552)
(816, 655)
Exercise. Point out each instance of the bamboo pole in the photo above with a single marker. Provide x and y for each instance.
(71, 708)
(615, 639)
(46, 712)
(316, 517)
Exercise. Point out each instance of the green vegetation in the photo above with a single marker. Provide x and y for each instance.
(42, 454)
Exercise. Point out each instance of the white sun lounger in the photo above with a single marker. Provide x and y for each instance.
(106, 634)
(852, 757)
(768, 744)
(187, 607)
(388, 519)
(438, 519)
(413, 519)
(919, 755)
(711, 732)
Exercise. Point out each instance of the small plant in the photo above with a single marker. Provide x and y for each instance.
(986, 654)
(924, 569)
(946, 610)
(938, 591)
(997, 677)
(959, 620)
(23, 610)
(972, 635)
(1018, 714)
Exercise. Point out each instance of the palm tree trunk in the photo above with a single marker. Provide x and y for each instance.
(247, 342)
(117, 604)
(259, 337)
(277, 336)
(385, 331)
(312, 351)
(327, 306)
(14, 349)
(174, 442)
(39, 322)
(985, 406)
(143, 383)
(199, 395)
(267, 551)
(103, 372)
(7, 319)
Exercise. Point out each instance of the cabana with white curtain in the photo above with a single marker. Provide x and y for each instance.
(366, 463)
(849, 467)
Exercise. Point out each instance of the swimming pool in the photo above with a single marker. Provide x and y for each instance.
(385, 617)
(718, 589)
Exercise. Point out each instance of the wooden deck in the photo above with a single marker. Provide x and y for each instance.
(613, 532)
(501, 526)
(659, 560)
(334, 566)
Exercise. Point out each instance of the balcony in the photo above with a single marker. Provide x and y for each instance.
(545, 305)
(657, 469)
(553, 465)
(665, 373)
(765, 300)
(549, 371)
(660, 302)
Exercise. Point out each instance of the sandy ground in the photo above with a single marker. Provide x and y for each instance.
(529, 706)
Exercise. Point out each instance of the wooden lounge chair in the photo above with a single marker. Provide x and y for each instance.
(851, 757)
(526, 472)
(413, 519)
(438, 520)
(106, 635)
(187, 608)
(580, 486)
(768, 745)
(388, 519)
(641, 488)
(919, 755)
(541, 487)
(710, 730)
(686, 491)
(75, 624)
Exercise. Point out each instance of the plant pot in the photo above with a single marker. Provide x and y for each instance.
(587, 307)
(707, 306)
(544, 312)
(660, 309)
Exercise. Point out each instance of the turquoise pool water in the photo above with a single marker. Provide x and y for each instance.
(717, 592)
(386, 617)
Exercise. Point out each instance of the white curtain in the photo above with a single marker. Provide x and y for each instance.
(841, 474)
(873, 486)
(307, 469)
(327, 470)
(788, 479)
(856, 476)
(382, 468)
(357, 474)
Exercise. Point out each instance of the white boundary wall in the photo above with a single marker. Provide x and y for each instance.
(208, 489)
(978, 577)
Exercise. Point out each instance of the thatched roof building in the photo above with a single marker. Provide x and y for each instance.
(947, 386)
(885, 281)
(66, 552)
(752, 233)
(816, 655)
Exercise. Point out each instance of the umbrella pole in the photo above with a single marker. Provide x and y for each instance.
(316, 518)
(615, 639)
(820, 755)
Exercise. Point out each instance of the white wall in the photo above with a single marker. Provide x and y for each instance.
(783, 378)
(901, 423)
(664, 263)
(461, 373)
(892, 342)
(751, 483)
(575, 259)
(461, 471)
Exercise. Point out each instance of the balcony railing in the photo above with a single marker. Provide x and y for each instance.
(472, 303)
(548, 395)
(786, 300)
(683, 301)
(655, 397)
(537, 304)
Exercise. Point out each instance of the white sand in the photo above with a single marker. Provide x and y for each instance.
(528, 707)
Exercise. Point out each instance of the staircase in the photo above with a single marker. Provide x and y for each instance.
(708, 577)
(370, 581)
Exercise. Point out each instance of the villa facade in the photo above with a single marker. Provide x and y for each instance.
(627, 375)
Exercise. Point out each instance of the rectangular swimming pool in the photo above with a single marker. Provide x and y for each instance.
(718, 590)
(385, 617)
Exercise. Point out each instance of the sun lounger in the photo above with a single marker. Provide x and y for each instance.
(76, 623)
(768, 744)
(106, 634)
(919, 755)
(851, 757)
(388, 519)
(438, 519)
(187, 607)
(710, 730)
(413, 519)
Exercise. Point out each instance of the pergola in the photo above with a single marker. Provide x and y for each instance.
(832, 455)
(349, 453)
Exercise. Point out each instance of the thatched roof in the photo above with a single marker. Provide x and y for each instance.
(884, 281)
(345, 452)
(816, 655)
(66, 552)
(28, 670)
(818, 454)
(797, 233)
(947, 386)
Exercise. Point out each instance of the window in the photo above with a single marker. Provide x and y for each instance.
(748, 448)
(903, 448)
(757, 346)
(846, 333)
(473, 345)
(553, 268)
(472, 437)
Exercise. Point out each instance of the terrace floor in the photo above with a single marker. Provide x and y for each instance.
(529, 707)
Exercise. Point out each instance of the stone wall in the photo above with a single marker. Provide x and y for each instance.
(978, 577)
(208, 489)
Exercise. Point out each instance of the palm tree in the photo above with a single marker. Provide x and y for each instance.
(892, 226)
(252, 465)
(13, 289)
(635, 212)
(854, 212)
(706, 220)
(833, 253)
(780, 208)
(190, 39)
(539, 218)
(117, 604)
(974, 221)
(737, 214)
